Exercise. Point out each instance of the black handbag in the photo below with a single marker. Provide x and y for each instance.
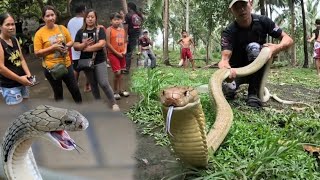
(88, 64)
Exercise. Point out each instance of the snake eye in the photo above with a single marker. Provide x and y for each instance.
(186, 93)
(163, 93)
(68, 122)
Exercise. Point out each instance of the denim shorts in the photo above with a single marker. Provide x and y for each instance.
(14, 95)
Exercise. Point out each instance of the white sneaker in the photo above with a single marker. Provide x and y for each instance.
(181, 63)
(124, 93)
(115, 107)
(117, 96)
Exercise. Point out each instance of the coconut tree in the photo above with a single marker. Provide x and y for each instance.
(124, 6)
(305, 46)
(166, 33)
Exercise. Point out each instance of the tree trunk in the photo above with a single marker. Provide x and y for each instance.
(210, 27)
(124, 6)
(187, 16)
(68, 7)
(292, 30)
(262, 7)
(207, 52)
(305, 46)
(166, 33)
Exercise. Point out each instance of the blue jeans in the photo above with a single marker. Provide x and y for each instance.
(14, 95)
(252, 50)
(70, 82)
(148, 54)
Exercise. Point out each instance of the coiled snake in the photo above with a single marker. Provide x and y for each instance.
(46, 122)
(185, 120)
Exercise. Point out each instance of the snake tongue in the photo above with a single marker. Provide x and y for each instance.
(64, 139)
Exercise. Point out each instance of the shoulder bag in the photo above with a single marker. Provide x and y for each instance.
(88, 64)
(59, 69)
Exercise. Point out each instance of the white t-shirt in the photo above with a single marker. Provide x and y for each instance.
(74, 25)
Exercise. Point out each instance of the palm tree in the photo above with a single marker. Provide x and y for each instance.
(305, 46)
(124, 6)
(292, 31)
(262, 7)
(166, 33)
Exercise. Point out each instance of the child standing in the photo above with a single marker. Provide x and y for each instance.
(186, 42)
(117, 46)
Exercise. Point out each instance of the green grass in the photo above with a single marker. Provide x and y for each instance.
(297, 76)
(264, 144)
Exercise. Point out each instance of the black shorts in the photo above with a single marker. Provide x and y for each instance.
(75, 64)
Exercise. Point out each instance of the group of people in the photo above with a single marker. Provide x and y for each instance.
(241, 43)
(61, 49)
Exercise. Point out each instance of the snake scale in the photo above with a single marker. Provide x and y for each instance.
(185, 120)
(50, 123)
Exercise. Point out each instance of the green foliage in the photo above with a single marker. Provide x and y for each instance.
(30, 8)
(264, 144)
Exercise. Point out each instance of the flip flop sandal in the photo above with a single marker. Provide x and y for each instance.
(254, 101)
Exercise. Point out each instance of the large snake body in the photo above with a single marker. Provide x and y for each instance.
(46, 122)
(189, 139)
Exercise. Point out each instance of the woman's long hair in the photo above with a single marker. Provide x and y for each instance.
(133, 7)
(48, 7)
(84, 26)
(3, 17)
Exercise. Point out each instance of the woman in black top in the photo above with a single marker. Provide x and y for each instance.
(89, 39)
(14, 71)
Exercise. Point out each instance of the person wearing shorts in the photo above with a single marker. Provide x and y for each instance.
(14, 95)
(316, 47)
(186, 42)
(14, 71)
(117, 46)
(186, 54)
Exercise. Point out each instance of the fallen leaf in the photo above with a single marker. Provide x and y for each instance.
(311, 149)
(145, 161)
(298, 109)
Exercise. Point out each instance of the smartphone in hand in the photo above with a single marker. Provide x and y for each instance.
(91, 35)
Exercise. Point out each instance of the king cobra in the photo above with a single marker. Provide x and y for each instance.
(185, 120)
(50, 123)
